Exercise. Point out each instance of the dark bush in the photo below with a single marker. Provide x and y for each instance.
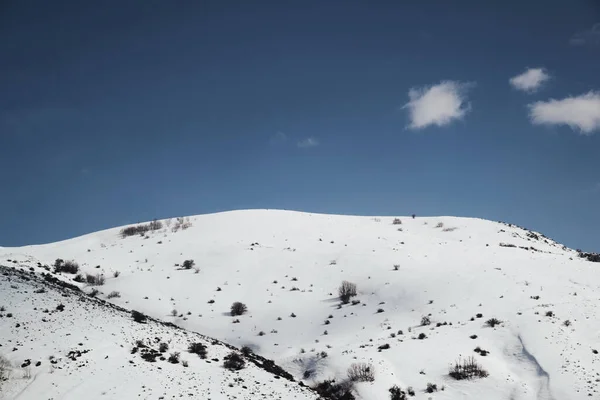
(174, 358)
(467, 369)
(334, 391)
(234, 362)
(422, 336)
(361, 372)
(425, 320)
(188, 264)
(492, 322)
(431, 387)
(79, 278)
(246, 350)
(68, 267)
(396, 393)
(163, 347)
(346, 291)
(238, 308)
(96, 280)
(113, 294)
(199, 349)
(138, 317)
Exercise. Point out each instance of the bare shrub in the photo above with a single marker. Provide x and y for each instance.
(238, 308)
(396, 393)
(113, 294)
(116, 274)
(138, 317)
(440, 225)
(234, 361)
(174, 358)
(397, 221)
(331, 390)
(492, 322)
(68, 267)
(361, 372)
(198, 348)
(5, 370)
(467, 369)
(346, 291)
(431, 387)
(95, 280)
(425, 320)
(188, 264)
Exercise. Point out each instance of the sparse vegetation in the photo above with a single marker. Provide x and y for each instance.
(141, 229)
(113, 294)
(361, 372)
(397, 221)
(238, 308)
(425, 320)
(346, 291)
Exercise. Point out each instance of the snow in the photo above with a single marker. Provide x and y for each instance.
(451, 273)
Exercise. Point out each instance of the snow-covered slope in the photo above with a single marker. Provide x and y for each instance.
(287, 266)
(62, 344)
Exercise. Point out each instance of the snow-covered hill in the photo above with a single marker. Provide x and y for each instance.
(286, 267)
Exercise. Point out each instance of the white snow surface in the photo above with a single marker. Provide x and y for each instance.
(450, 273)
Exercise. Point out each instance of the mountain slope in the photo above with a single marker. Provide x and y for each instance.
(287, 266)
(66, 345)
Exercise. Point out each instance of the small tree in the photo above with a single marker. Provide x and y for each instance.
(238, 308)
(361, 372)
(233, 361)
(346, 291)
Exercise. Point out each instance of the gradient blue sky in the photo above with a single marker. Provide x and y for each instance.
(126, 111)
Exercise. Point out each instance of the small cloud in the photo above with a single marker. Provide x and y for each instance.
(308, 142)
(530, 80)
(580, 112)
(278, 138)
(590, 37)
(437, 104)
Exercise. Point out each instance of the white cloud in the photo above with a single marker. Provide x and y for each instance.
(278, 138)
(589, 37)
(437, 104)
(308, 142)
(580, 112)
(530, 80)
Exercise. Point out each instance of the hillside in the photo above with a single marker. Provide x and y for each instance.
(425, 287)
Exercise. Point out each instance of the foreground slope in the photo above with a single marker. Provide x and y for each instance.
(287, 266)
(62, 344)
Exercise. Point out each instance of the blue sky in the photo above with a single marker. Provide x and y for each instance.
(131, 111)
